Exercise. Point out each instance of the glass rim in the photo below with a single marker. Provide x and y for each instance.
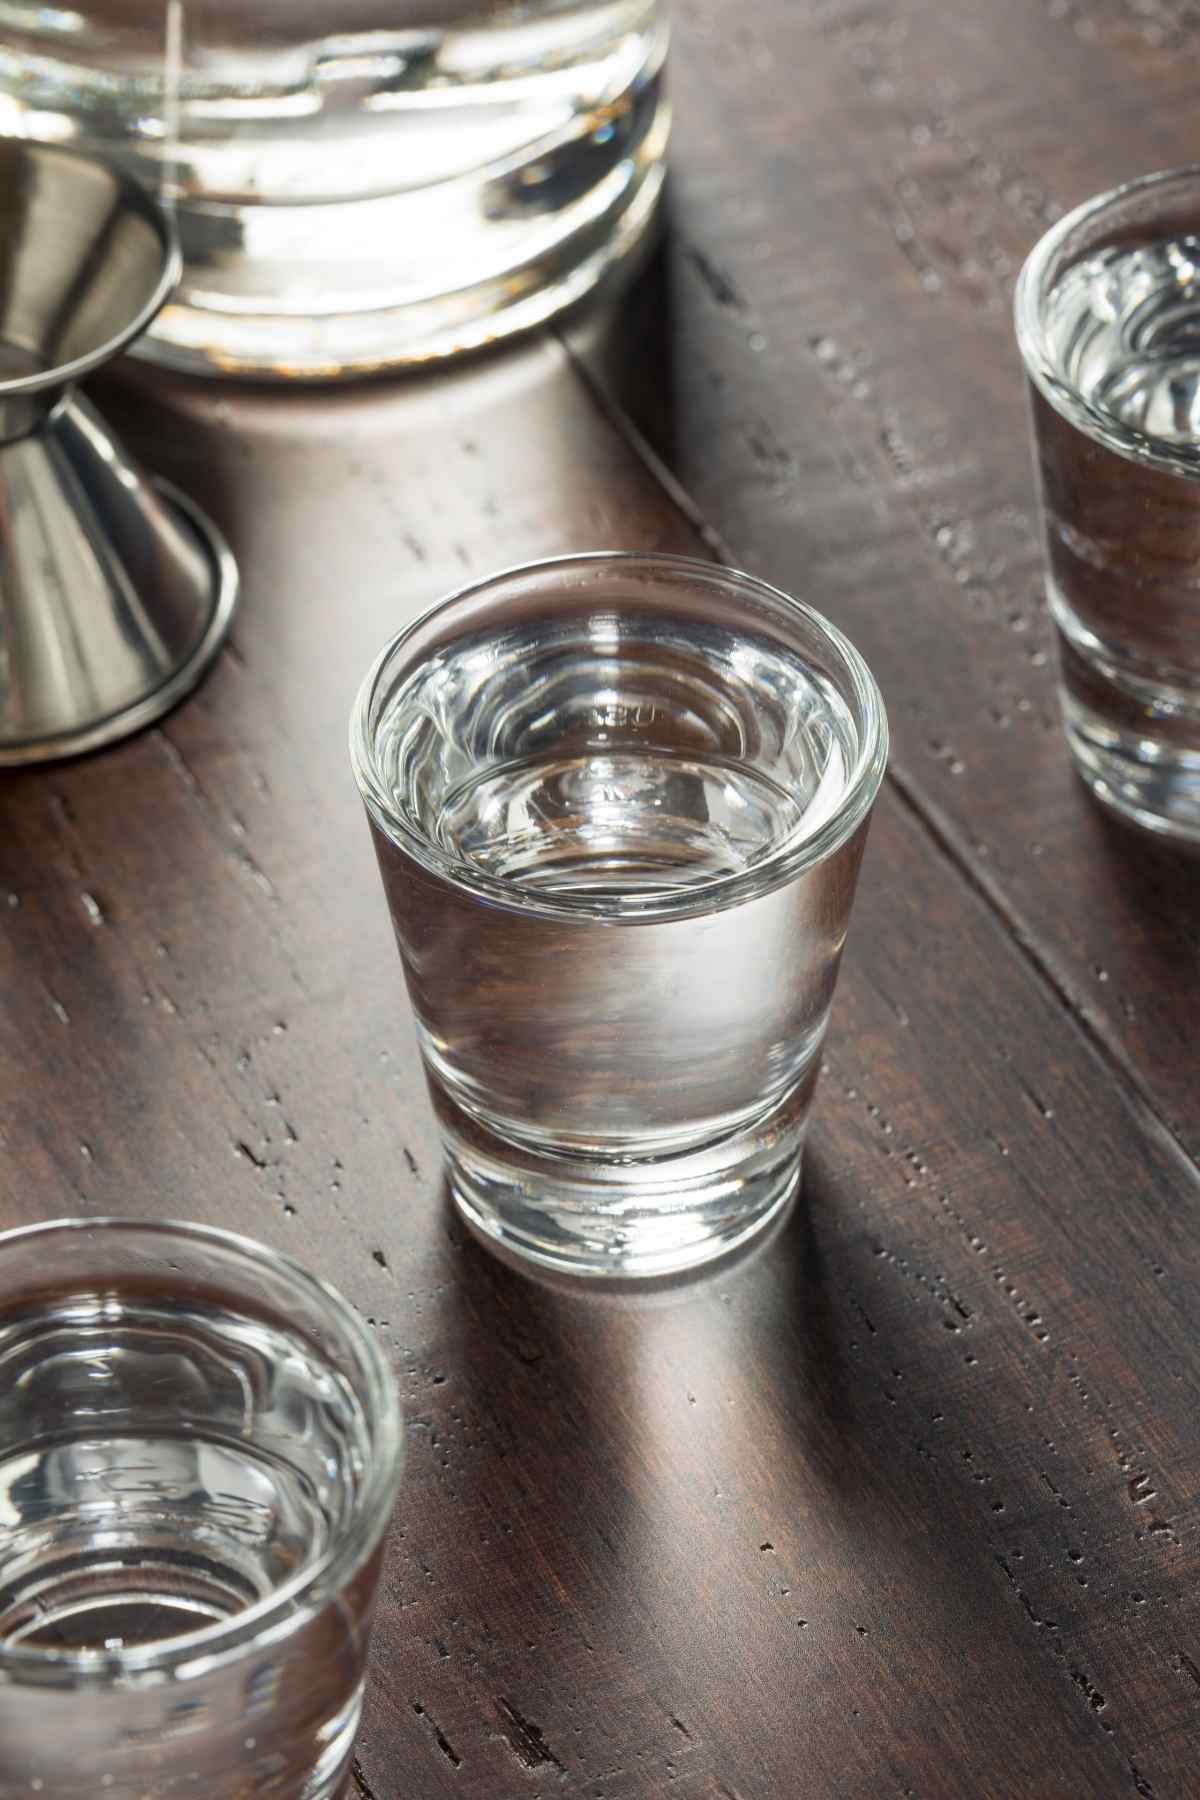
(294, 1602)
(1032, 289)
(774, 870)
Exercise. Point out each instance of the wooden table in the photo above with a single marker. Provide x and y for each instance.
(907, 1504)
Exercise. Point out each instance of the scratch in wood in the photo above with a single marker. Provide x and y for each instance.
(1028, 1606)
(1035, 1100)
(439, 1737)
(62, 806)
(242, 1148)
(721, 287)
(92, 908)
(242, 858)
(1095, 1698)
(57, 1008)
(1186, 1666)
(933, 1284)
(1057, 1492)
(860, 1312)
(524, 1738)
(361, 1786)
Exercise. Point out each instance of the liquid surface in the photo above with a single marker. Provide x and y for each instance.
(636, 759)
(166, 1463)
(1124, 331)
(160, 1471)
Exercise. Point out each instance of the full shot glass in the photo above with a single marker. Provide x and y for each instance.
(619, 804)
(1108, 323)
(199, 1453)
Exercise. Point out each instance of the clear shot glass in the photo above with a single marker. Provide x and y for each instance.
(1108, 322)
(619, 804)
(199, 1452)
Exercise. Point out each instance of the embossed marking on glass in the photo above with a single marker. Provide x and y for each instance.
(619, 804)
(361, 184)
(199, 1449)
(1108, 320)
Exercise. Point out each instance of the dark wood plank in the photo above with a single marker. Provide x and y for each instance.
(905, 1503)
(830, 374)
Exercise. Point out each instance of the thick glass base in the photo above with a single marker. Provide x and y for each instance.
(619, 1217)
(370, 199)
(209, 329)
(347, 287)
(1136, 744)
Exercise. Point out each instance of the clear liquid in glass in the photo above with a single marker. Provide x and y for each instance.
(1122, 332)
(164, 1466)
(366, 184)
(619, 1092)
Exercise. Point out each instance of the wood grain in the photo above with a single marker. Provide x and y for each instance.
(905, 1503)
(824, 360)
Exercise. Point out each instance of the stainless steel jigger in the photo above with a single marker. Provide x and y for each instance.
(115, 591)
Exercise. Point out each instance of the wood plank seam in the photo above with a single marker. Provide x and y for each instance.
(918, 805)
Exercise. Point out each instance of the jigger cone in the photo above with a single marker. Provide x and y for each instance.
(115, 591)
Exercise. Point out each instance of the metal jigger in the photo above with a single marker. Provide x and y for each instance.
(115, 591)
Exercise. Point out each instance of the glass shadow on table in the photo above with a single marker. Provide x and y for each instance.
(770, 1332)
(1156, 883)
(627, 339)
(655, 1492)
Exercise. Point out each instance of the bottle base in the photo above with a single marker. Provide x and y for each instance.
(258, 302)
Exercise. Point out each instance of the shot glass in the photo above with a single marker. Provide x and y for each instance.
(1108, 322)
(619, 804)
(199, 1451)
